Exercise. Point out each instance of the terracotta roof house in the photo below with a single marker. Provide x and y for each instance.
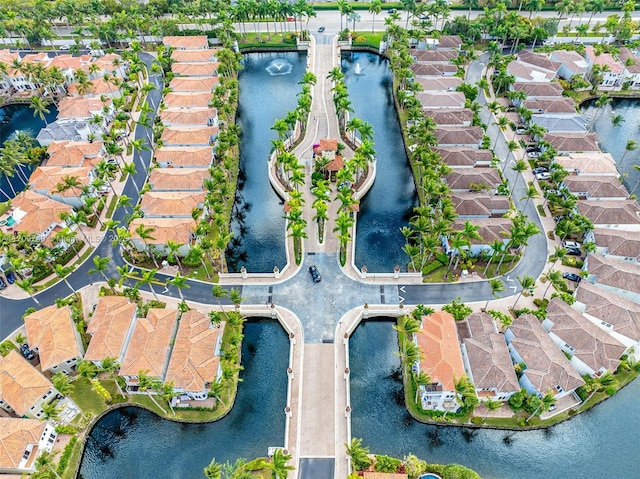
(190, 99)
(538, 59)
(37, 214)
(551, 106)
(52, 334)
(571, 64)
(173, 204)
(525, 72)
(437, 99)
(468, 179)
(618, 244)
(178, 179)
(459, 136)
(490, 230)
(195, 69)
(462, 157)
(433, 69)
(449, 41)
(592, 350)
(47, 181)
(96, 88)
(612, 214)
(450, 116)
(189, 136)
(149, 346)
(539, 89)
(471, 204)
(546, 368)
(23, 389)
(487, 360)
(442, 360)
(79, 108)
(620, 277)
(596, 187)
(189, 116)
(573, 142)
(617, 315)
(434, 56)
(631, 74)
(110, 328)
(439, 83)
(194, 56)
(74, 153)
(22, 441)
(614, 73)
(178, 230)
(195, 357)
(197, 42)
(588, 164)
(193, 84)
(184, 156)
(383, 475)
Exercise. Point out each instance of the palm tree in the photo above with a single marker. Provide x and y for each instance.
(130, 169)
(62, 384)
(213, 470)
(100, 266)
(86, 369)
(358, 453)
(51, 411)
(278, 465)
(554, 278)
(631, 146)
(545, 403)
(148, 384)
(526, 282)
(45, 467)
(519, 166)
(27, 286)
(148, 277)
(530, 193)
(39, 107)
(490, 405)
(110, 365)
(180, 282)
(497, 286)
(219, 292)
(62, 272)
(598, 383)
(236, 297)
(145, 234)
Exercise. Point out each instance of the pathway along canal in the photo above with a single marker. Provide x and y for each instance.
(268, 89)
(389, 204)
(599, 443)
(13, 118)
(132, 443)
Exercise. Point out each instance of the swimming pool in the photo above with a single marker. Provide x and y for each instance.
(429, 476)
(10, 221)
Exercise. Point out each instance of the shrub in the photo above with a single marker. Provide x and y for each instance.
(360, 39)
(386, 464)
(431, 267)
(66, 454)
(541, 303)
(66, 429)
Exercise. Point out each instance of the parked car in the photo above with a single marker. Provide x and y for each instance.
(65, 47)
(10, 277)
(320, 29)
(570, 244)
(572, 277)
(545, 175)
(540, 169)
(26, 352)
(315, 274)
(391, 10)
(574, 251)
(532, 148)
(520, 130)
(533, 154)
(2, 284)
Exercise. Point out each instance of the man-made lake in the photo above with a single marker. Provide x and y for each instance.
(268, 89)
(15, 118)
(389, 204)
(614, 138)
(132, 443)
(600, 443)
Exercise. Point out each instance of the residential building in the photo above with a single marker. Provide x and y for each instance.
(180, 231)
(65, 130)
(450, 116)
(189, 116)
(197, 42)
(541, 89)
(23, 389)
(438, 99)
(544, 367)
(473, 179)
(194, 84)
(74, 153)
(195, 69)
(184, 156)
(38, 215)
(448, 136)
(195, 357)
(189, 99)
(441, 360)
(560, 106)
(178, 179)
(172, 204)
(613, 72)
(52, 333)
(560, 124)
(189, 136)
(462, 157)
(452, 42)
(620, 277)
(110, 327)
(571, 64)
(611, 214)
(434, 56)
(490, 230)
(50, 181)
(596, 187)
(540, 60)
(619, 244)
(592, 351)
(479, 204)
(588, 164)
(433, 69)
(439, 83)
(487, 360)
(525, 72)
(97, 87)
(566, 143)
(194, 56)
(631, 74)
(150, 347)
(22, 441)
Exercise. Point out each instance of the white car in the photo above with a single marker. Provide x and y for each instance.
(570, 244)
(65, 47)
(545, 175)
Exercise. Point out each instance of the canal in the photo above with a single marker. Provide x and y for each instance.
(600, 443)
(14, 118)
(132, 443)
(389, 204)
(268, 88)
(614, 138)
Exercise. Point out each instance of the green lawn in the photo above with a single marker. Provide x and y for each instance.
(86, 398)
(367, 39)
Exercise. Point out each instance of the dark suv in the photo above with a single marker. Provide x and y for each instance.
(26, 352)
(315, 274)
